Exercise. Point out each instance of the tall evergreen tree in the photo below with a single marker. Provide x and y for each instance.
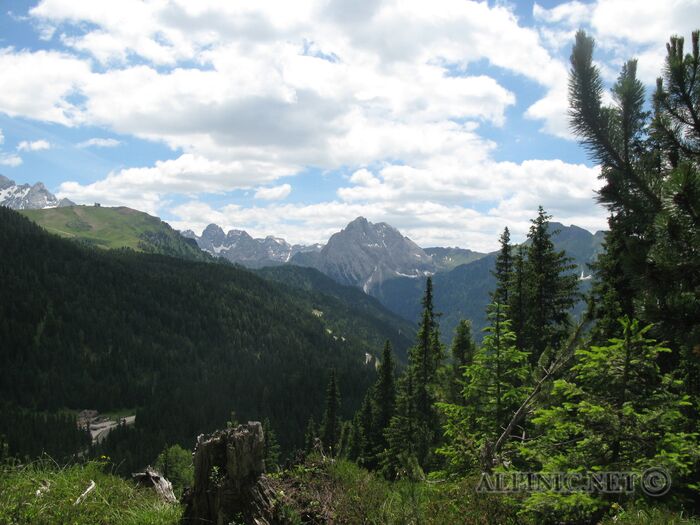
(330, 425)
(550, 287)
(366, 420)
(493, 390)
(517, 296)
(272, 447)
(503, 270)
(355, 439)
(424, 360)
(611, 295)
(384, 398)
(463, 350)
(401, 451)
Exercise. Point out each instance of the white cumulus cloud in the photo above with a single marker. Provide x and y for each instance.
(98, 142)
(34, 145)
(274, 193)
(10, 160)
(401, 94)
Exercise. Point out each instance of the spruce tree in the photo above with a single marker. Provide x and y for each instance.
(463, 350)
(272, 447)
(493, 390)
(365, 420)
(384, 399)
(517, 296)
(424, 361)
(175, 464)
(401, 452)
(356, 439)
(550, 290)
(330, 425)
(503, 270)
(616, 411)
(611, 295)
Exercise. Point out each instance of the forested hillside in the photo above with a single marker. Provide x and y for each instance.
(463, 292)
(184, 343)
(354, 313)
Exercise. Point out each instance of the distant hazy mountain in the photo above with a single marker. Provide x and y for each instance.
(239, 247)
(26, 197)
(463, 292)
(365, 254)
(119, 227)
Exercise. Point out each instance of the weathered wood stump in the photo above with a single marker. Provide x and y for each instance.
(152, 479)
(229, 485)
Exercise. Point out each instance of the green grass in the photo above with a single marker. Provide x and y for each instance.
(318, 491)
(342, 492)
(113, 501)
(103, 227)
(113, 228)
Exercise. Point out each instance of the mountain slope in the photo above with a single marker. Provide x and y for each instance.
(185, 341)
(446, 259)
(463, 292)
(364, 254)
(115, 228)
(349, 311)
(26, 197)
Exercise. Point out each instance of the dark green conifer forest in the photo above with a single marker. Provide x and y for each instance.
(178, 342)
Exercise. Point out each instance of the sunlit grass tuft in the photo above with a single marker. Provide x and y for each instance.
(44, 493)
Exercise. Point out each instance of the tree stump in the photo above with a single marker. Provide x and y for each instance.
(229, 485)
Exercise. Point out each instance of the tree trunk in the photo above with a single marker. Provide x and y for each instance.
(229, 485)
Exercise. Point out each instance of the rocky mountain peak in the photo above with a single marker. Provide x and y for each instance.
(365, 254)
(238, 246)
(26, 197)
(5, 182)
(213, 230)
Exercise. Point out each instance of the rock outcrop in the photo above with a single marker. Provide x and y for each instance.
(26, 197)
(239, 247)
(365, 254)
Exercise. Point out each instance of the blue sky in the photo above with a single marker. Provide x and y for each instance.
(446, 119)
